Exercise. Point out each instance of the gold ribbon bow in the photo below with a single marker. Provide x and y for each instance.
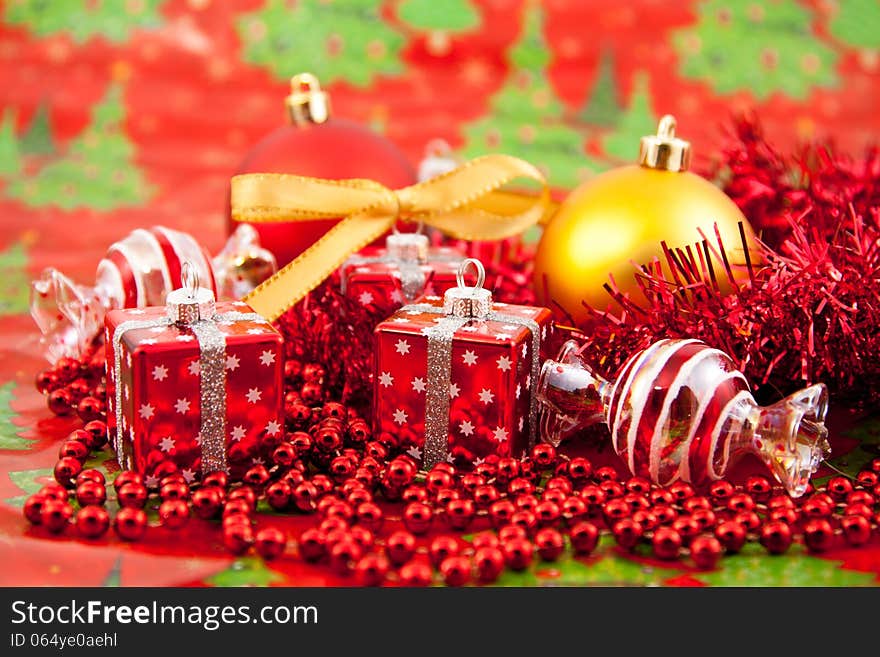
(465, 203)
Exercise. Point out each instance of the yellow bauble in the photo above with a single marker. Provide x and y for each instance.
(621, 217)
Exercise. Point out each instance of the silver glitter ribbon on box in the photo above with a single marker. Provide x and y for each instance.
(409, 251)
(462, 305)
(191, 307)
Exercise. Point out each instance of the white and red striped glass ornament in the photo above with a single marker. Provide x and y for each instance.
(680, 410)
(136, 272)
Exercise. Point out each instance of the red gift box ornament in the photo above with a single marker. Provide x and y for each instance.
(405, 269)
(454, 378)
(681, 410)
(191, 383)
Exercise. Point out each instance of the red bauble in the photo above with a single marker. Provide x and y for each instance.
(55, 515)
(706, 551)
(775, 537)
(270, 542)
(732, 535)
(371, 570)
(818, 534)
(456, 570)
(173, 513)
(441, 548)
(132, 495)
(856, 529)
(238, 537)
(415, 573)
(312, 544)
(584, 537)
(488, 564)
(90, 493)
(550, 544)
(666, 543)
(400, 547)
(518, 553)
(321, 147)
(33, 508)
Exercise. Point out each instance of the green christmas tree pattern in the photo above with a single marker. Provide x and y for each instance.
(333, 40)
(14, 280)
(456, 16)
(9, 438)
(97, 171)
(854, 23)
(525, 118)
(758, 47)
(37, 139)
(247, 571)
(603, 107)
(10, 156)
(83, 19)
(635, 122)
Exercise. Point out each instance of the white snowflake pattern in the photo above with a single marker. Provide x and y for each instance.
(267, 357)
(126, 392)
(399, 320)
(415, 452)
(151, 481)
(400, 416)
(253, 395)
(450, 458)
(365, 298)
(479, 461)
(149, 341)
(273, 428)
(188, 475)
(502, 336)
(185, 338)
(469, 329)
(232, 362)
(254, 331)
(413, 312)
(426, 330)
(238, 432)
(544, 333)
(525, 349)
(385, 379)
(469, 358)
(166, 444)
(418, 384)
(528, 381)
(257, 461)
(500, 434)
(136, 311)
(503, 363)
(486, 396)
(402, 347)
(432, 297)
(522, 422)
(147, 411)
(396, 296)
(518, 390)
(466, 427)
(194, 368)
(160, 373)
(182, 406)
(240, 304)
(509, 327)
(157, 329)
(454, 390)
(198, 439)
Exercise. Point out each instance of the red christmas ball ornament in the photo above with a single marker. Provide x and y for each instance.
(206, 503)
(856, 529)
(627, 533)
(344, 554)
(818, 535)
(92, 521)
(312, 544)
(417, 517)
(90, 475)
(73, 449)
(91, 493)
(732, 535)
(488, 563)
(126, 477)
(370, 516)
(442, 547)
(130, 523)
(485, 539)
(549, 543)
(666, 543)
(33, 508)
(66, 470)
(316, 145)
(238, 537)
(174, 513)
(60, 401)
(97, 430)
(132, 495)
(518, 553)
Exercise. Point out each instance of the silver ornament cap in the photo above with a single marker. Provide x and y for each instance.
(191, 303)
(471, 302)
(407, 247)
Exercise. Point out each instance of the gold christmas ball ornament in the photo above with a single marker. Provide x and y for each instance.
(621, 217)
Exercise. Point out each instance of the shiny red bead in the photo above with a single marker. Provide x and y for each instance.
(445, 496)
(455, 570)
(59, 401)
(509, 532)
(92, 521)
(126, 477)
(856, 529)
(485, 496)
(73, 449)
(312, 544)
(485, 539)
(518, 553)
(696, 503)
(33, 508)
(460, 514)
(370, 516)
(579, 469)
(238, 537)
(593, 496)
(55, 491)
(90, 474)
(788, 516)
(646, 519)
(362, 536)
(399, 547)
(780, 502)
(508, 469)
(858, 510)
(686, 527)
(270, 542)
(488, 564)
(616, 509)
(371, 570)
(627, 533)
(90, 408)
(305, 496)
(415, 573)
(66, 470)
(256, 476)
(666, 543)
(817, 507)
(442, 547)
(741, 502)
(681, 490)
(818, 535)
(47, 381)
(549, 543)
(132, 495)
(759, 488)
(91, 493)
(732, 535)
(68, 368)
(776, 537)
(721, 491)
(417, 517)
(867, 479)
(526, 502)
(860, 497)
(55, 515)
(501, 512)
(130, 524)
(344, 555)
(97, 430)
(665, 514)
(606, 473)
(400, 472)
(547, 513)
(705, 518)
(706, 551)
(415, 493)
(748, 519)
(584, 537)
(839, 487)
(174, 513)
(612, 489)
(573, 509)
(278, 495)
(206, 503)
(544, 455)
(520, 486)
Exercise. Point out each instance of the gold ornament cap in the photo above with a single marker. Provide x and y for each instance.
(665, 151)
(463, 301)
(307, 102)
(191, 303)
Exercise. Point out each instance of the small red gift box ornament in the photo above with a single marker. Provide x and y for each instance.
(193, 386)
(454, 378)
(405, 269)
